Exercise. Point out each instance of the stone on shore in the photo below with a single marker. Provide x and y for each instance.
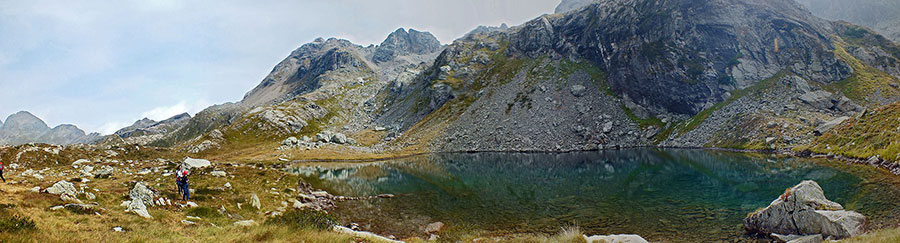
(615, 239)
(804, 210)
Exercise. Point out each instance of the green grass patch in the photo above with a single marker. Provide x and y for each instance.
(16, 223)
(304, 219)
(864, 81)
(876, 133)
(203, 212)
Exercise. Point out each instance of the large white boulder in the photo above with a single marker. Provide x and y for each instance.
(190, 163)
(804, 210)
(62, 187)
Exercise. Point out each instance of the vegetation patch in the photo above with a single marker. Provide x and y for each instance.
(304, 219)
(203, 212)
(864, 81)
(875, 133)
(16, 223)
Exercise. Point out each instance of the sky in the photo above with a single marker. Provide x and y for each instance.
(102, 65)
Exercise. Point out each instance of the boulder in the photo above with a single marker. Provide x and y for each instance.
(190, 163)
(822, 129)
(62, 187)
(339, 138)
(141, 193)
(254, 201)
(324, 137)
(804, 210)
(615, 239)
(433, 227)
(819, 99)
(577, 90)
(104, 172)
(138, 207)
(218, 173)
(291, 141)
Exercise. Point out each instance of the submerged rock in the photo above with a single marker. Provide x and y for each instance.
(804, 210)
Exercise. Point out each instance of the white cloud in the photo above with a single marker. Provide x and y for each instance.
(161, 113)
(111, 127)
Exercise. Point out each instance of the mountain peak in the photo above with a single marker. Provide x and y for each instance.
(24, 121)
(403, 42)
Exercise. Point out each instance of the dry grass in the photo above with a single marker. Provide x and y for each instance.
(884, 235)
(166, 226)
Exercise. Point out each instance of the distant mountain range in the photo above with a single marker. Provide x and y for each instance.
(882, 16)
(23, 127)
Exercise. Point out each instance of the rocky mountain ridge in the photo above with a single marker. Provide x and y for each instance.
(23, 127)
(615, 73)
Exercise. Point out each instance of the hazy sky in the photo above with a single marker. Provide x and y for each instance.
(102, 65)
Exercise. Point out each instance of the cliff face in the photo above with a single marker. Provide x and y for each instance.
(626, 73)
(879, 15)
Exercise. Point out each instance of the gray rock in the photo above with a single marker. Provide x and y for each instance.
(433, 227)
(62, 187)
(218, 173)
(339, 138)
(577, 90)
(291, 141)
(254, 201)
(104, 172)
(324, 137)
(191, 163)
(822, 129)
(804, 210)
(808, 239)
(140, 193)
(138, 207)
(615, 239)
(819, 99)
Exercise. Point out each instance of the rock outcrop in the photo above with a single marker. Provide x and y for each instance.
(804, 210)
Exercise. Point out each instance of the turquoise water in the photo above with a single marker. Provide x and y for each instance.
(665, 195)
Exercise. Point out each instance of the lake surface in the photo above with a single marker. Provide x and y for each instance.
(662, 195)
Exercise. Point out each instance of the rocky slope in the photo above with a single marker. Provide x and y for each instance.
(23, 127)
(634, 73)
(597, 74)
(880, 15)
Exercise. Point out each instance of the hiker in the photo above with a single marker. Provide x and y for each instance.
(186, 192)
(178, 180)
(1, 172)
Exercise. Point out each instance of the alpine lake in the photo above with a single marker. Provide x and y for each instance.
(670, 195)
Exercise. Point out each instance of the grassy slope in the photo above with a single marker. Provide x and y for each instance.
(875, 133)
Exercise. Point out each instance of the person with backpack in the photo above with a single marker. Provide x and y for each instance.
(1, 172)
(178, 185)
(186, 192)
